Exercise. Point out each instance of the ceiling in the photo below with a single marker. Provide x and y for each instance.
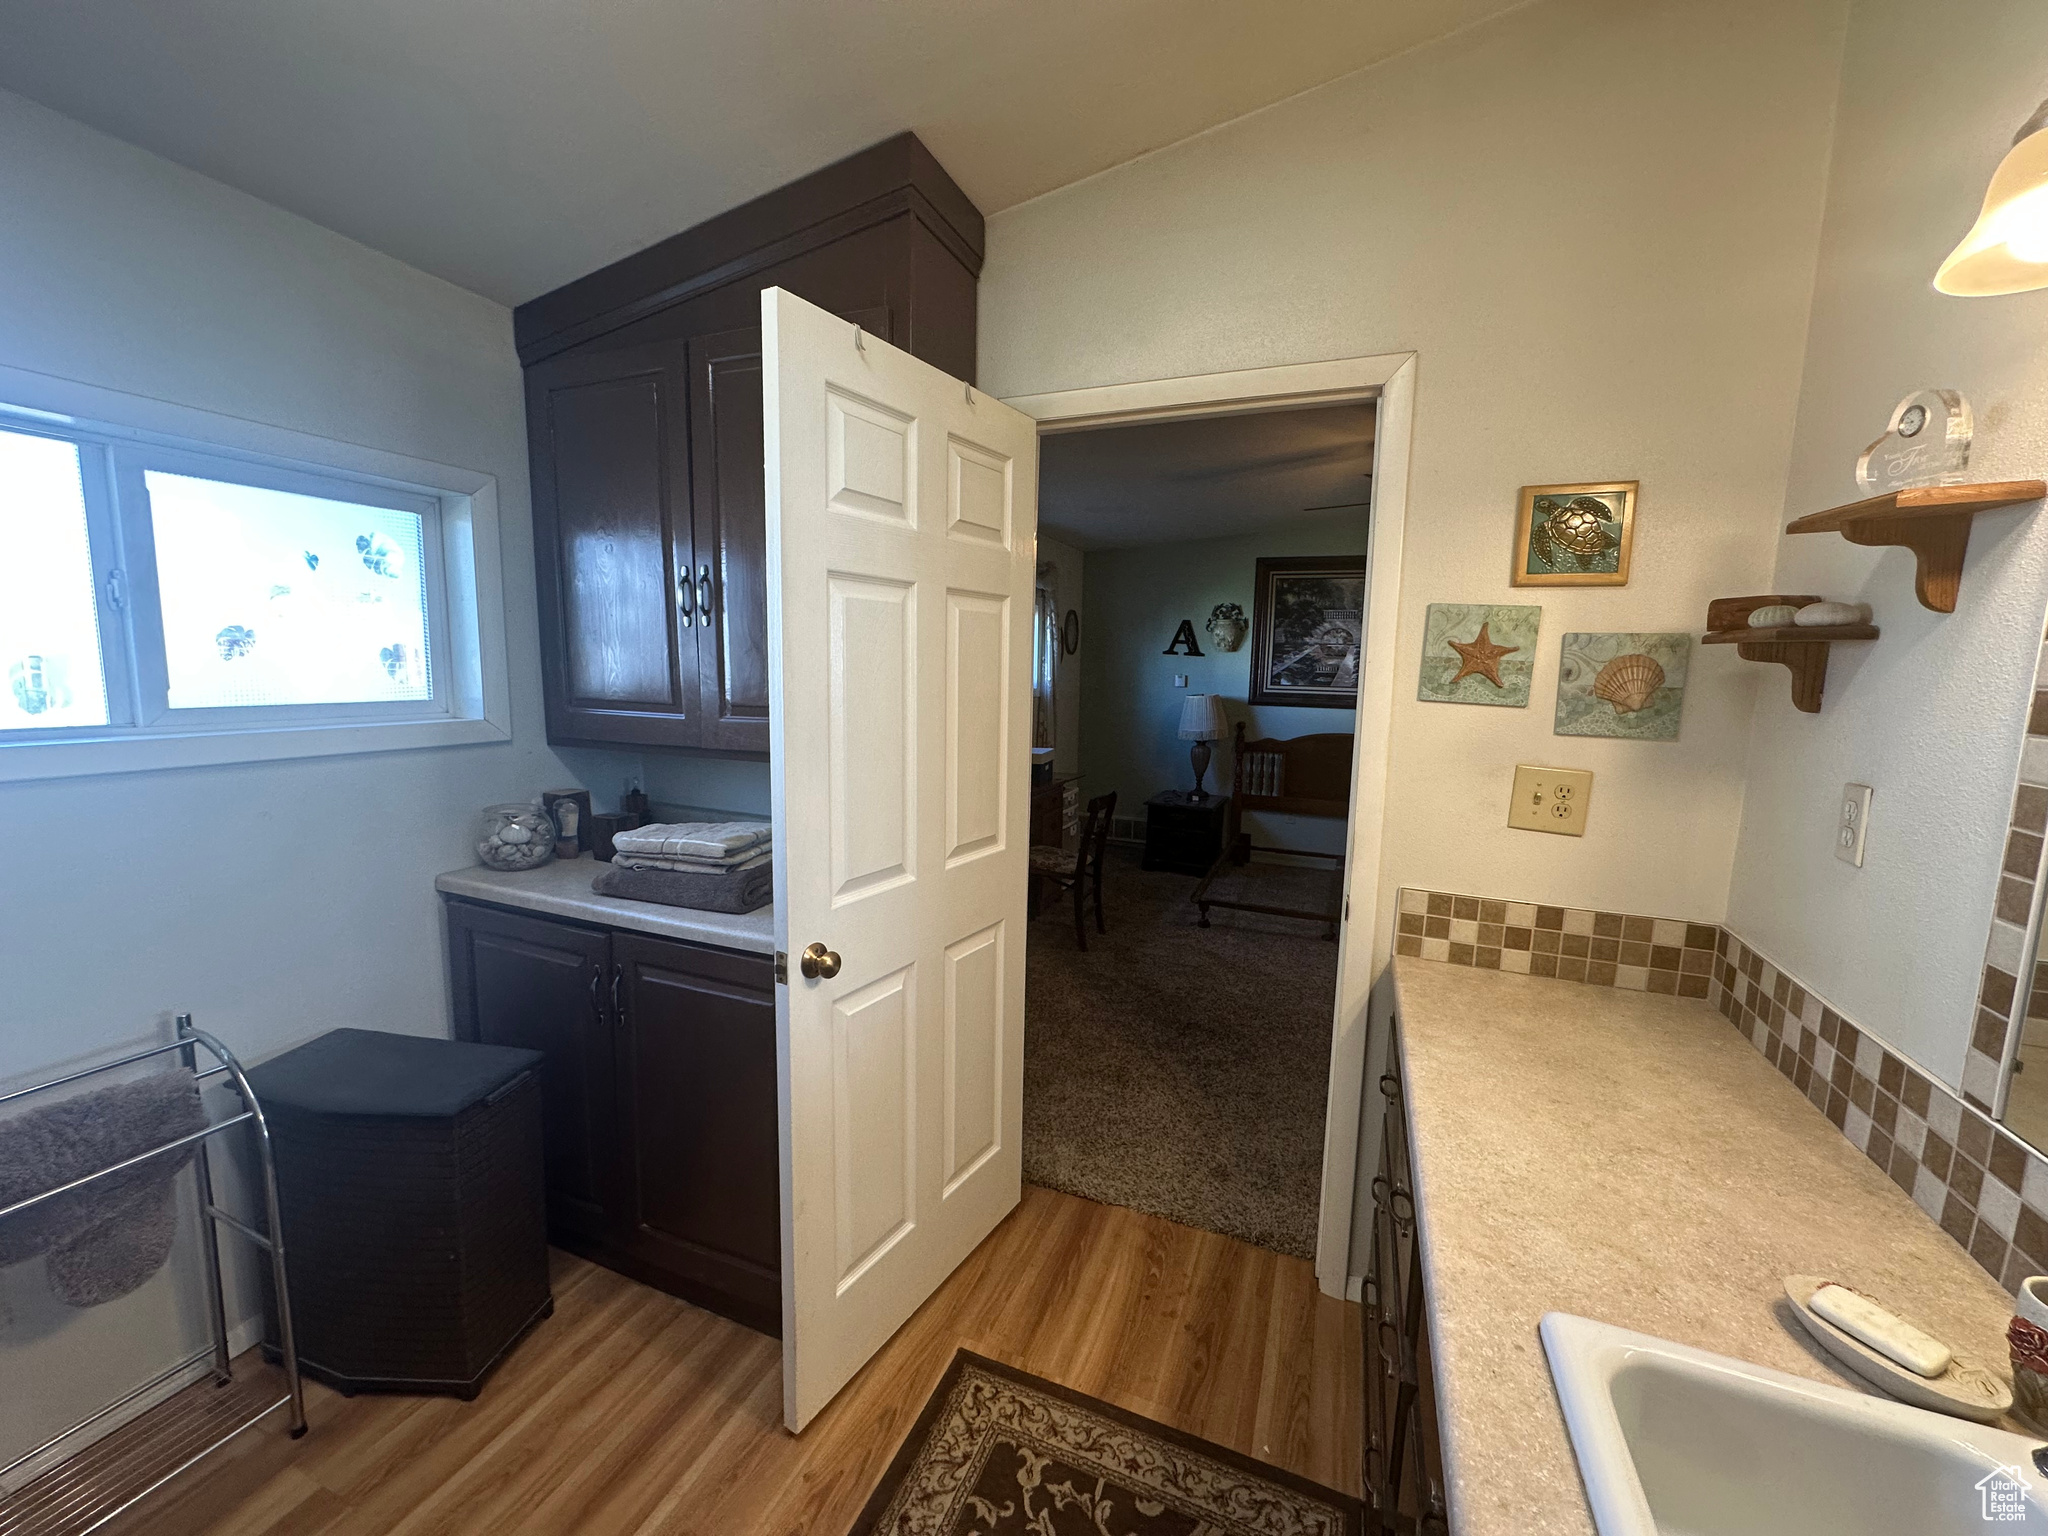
(1208, 477)
(511, 145)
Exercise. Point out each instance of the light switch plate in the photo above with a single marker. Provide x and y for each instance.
(1551, 799)
(1852, 822)
(1180, 679)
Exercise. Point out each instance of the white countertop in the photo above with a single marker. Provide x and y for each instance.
(1629, 1158)
(561, 888)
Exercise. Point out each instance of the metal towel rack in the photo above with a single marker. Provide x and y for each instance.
(99, 1481)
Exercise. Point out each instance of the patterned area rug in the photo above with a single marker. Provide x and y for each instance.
(997, 1452)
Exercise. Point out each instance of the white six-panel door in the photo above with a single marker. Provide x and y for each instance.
(902, 534)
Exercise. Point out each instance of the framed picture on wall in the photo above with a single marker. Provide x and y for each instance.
(1575, 535)
(1308, 628)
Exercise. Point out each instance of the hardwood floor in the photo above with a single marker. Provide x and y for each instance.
(630, 1413)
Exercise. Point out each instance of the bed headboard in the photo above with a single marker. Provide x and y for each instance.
(1300, 776)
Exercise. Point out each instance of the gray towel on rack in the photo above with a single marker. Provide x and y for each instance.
(104, 1240)
(737, 891)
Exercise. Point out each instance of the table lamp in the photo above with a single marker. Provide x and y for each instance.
(1201, 721)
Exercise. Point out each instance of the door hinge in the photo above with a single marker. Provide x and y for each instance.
(1347, 909)
(781, 969)
(117, 588)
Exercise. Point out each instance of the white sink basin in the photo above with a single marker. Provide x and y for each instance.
(1674, 1441)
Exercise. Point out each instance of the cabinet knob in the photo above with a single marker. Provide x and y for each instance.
(818, 962)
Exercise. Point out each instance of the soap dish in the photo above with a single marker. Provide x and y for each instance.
(1966, 1389)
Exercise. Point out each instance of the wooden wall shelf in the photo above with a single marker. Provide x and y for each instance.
(1802, 651)
(1933, 521)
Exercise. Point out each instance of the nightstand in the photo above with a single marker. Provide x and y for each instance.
(1184, 835)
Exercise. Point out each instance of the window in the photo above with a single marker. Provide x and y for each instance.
(1045, 654)
(49, 620)
(161, 591)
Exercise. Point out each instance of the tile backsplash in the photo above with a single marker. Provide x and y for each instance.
(1987, 1189)
(1606, 949)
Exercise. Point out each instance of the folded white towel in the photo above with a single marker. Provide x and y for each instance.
(693, 866)
(719, 841)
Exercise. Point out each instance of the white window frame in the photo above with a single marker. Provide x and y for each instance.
(121, 436)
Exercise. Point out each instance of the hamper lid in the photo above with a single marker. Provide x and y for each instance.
(370, 1072)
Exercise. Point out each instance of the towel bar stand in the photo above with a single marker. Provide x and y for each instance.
(86, 1490)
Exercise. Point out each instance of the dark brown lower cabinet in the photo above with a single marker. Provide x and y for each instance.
(658, 1096)
(700, 1187)
(1403, 1471)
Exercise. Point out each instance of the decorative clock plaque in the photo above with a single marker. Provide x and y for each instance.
(1927, 442)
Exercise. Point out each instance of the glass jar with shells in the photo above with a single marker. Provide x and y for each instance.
(516, 837)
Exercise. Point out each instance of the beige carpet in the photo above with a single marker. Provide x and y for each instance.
(1180, 1070)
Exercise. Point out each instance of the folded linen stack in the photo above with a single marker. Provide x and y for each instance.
(705, 847)
(722, 866)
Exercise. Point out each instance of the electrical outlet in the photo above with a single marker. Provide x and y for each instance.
(1852, 823)
(1551, 799)
(1180, 679)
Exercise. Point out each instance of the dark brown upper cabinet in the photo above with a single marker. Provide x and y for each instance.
(643, 410)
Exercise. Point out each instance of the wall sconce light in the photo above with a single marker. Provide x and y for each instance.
(2006, 250)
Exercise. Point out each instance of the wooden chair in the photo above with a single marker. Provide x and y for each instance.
(1077, 870)
(1295, 776)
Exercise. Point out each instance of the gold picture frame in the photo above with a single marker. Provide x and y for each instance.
(1575, 535)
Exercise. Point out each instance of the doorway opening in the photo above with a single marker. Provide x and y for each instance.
(1197, 652)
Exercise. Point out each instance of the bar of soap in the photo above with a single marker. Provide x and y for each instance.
(1868, 1323)
(1823, 615)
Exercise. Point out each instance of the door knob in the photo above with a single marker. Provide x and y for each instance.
(818, 962)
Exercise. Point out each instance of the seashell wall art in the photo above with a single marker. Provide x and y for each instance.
(1627, 685)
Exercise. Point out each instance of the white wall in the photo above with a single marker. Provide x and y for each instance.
(1931, 714)
(273, 901)
(1595, 221)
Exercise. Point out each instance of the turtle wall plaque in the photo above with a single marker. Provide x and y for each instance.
(1575, 535)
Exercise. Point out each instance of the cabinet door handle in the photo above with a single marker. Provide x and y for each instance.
(1396, 1192)
(704, 592)
(618, 1011)
(684, 595)
(597, 997)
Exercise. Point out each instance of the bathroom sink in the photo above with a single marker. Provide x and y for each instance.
(1674, 1441)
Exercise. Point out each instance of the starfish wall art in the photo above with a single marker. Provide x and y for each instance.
(1478, 653)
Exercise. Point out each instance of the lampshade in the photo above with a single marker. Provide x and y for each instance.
(1201, 718)
(2006, 250)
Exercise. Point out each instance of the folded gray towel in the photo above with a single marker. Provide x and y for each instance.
(626, 860)
(106, 1239)
(739, 891)
(718, 841)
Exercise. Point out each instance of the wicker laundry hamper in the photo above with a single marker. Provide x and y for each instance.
(409, 1171)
